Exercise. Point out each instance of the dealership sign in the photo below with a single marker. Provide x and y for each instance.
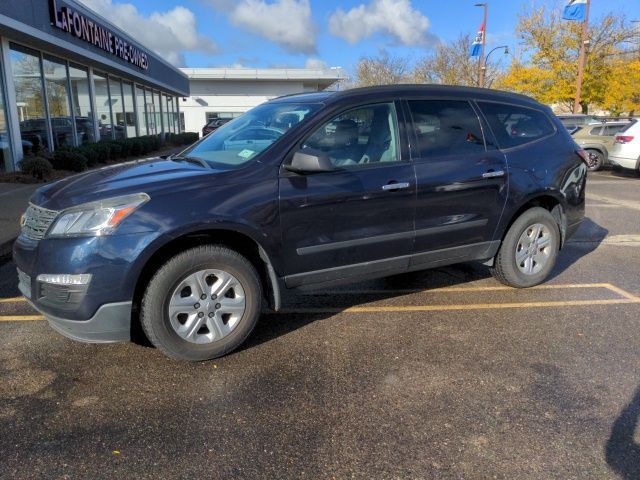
(71, 21)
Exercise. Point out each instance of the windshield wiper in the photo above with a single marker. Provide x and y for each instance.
(196, 160)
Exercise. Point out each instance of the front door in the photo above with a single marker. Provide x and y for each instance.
(461, 182)
(357, 219)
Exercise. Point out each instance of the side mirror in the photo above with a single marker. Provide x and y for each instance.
(310, 161)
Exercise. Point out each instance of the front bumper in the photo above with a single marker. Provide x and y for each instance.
(111, 323)
(630, 163)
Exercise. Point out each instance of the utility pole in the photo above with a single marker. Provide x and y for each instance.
(584, 40)
(481, 63)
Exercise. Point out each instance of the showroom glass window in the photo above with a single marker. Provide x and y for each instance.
(141, 107)
(129, 111)
(27, 78)
(158, 107)
(81, 103)
(6, 159)
(117, 107)
(57, 88)
(103, 105)
(165, 113)
(151, 112)
(172, 113)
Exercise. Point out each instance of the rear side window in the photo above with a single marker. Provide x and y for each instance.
(627, 127)
(611, 130)
(514, 126)
(595, 131)
(445, 127)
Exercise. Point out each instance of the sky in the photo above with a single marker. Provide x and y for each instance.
(316, 33)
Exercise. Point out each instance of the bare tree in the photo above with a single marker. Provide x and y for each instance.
(450, 64)
(382, 70)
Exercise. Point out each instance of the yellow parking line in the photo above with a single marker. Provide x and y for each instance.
(20, 318)
(13, 300)
(471, 306)
(495, 288)
(622, 292)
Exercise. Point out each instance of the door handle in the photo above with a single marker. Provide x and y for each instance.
(493, 174)
(390, 187)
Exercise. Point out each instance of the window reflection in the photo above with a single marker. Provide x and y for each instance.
(55, 79)
(27, 78)
(103, 105)
(79, 79)
(117, 107)
(6, 160)
(141, 107)
(129, 112)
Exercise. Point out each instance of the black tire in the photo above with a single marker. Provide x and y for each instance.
(596, 160)
(154, 310)
(505, 268)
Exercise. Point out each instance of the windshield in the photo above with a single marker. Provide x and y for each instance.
(238, 141)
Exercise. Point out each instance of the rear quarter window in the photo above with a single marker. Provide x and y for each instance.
(514, 126)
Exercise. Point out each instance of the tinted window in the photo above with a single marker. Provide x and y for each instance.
(362, 136)
(446, 127)
(514, 125)
(611, 130)
(595, 131)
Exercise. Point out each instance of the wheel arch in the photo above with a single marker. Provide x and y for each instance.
(551, 201)
(233, 239)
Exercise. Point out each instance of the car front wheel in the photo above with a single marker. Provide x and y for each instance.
(202, 304)
(529, 250)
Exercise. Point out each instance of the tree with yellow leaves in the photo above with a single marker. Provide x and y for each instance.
(551, 47)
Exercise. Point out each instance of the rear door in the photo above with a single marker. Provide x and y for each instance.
(356, 220)
(461, 181)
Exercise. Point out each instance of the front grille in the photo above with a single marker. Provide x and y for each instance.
(37, 221)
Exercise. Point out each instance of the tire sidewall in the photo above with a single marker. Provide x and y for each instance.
(599, 162)
(508, 249)
(163, 284)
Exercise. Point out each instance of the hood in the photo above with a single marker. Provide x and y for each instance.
(149, 176)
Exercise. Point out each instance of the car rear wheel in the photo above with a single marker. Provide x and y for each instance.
(529, 250)
(202, 304)
(596, 160)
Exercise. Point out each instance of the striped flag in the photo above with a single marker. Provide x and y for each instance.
(575, 10)
(476, 46)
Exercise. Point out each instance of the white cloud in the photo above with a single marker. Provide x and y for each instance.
(316, 64)
(287, 23)
(395, 18)
(170, 33)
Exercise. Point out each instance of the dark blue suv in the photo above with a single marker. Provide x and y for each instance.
(303, 191)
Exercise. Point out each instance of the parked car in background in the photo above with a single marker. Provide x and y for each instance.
(213, 125)
(597, 140)
(368, 183)
(625, 152)
(573, 121)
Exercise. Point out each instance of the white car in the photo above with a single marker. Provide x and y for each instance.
(626, 149)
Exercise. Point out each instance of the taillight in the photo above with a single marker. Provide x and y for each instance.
(624, 139)
(584, 155)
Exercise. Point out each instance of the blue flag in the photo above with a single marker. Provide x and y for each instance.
(476, 46)
(576, 10)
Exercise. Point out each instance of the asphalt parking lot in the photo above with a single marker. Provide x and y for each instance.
(436, 374)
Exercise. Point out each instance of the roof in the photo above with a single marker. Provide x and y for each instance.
(410, 90)
(325, 76)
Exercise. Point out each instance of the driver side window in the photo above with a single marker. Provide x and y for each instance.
(359, 137)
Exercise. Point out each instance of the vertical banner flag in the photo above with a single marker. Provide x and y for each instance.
(476, 46)
(575, 10)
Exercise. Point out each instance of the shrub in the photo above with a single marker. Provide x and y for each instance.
(90, 153)
(69, 160)
(103, 150)
(115, 150)
(37, 167)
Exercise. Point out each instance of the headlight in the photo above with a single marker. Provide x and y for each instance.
(96, 218)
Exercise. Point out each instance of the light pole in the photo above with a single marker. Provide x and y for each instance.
(484, 42)
(486, 59)
(582, 57)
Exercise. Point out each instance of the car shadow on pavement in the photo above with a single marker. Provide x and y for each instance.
(622, 450)
(587, 239)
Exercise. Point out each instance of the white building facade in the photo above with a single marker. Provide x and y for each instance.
(229, 92)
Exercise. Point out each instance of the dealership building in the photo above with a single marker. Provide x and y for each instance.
(69, 76)
(229, 92)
